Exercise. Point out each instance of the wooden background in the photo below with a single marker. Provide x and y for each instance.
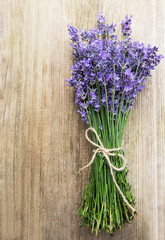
(42, 138)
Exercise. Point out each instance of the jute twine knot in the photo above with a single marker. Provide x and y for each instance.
(107, 152)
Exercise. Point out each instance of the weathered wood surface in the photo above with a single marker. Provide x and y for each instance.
(42, 138)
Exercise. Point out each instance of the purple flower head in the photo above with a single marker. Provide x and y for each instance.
(101, 21)
(126, 26)
(73, 33)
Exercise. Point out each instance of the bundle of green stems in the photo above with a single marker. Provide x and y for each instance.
(102, 206)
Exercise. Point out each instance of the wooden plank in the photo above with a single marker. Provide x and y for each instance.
(42, 141)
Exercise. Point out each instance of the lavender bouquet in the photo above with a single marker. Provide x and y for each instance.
(107, 75)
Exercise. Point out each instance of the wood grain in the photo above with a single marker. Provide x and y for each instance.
(42, 142)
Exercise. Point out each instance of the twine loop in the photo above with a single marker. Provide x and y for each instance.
(107, 152)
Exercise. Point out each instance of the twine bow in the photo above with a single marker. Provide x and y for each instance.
(107, 152)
